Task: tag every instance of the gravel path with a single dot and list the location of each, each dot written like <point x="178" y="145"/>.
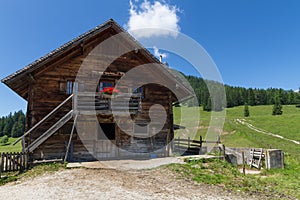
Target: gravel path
<point x="83" y="183"/>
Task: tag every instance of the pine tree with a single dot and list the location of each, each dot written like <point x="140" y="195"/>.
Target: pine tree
<point x="12" y="125"/>
<point x="207" y="105"/>
<point x="251" y="97"/>
<point x="277" y="108"/>
<point x="246" y="110"/>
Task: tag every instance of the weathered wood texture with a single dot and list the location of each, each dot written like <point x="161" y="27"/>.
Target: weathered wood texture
<point x="46" y="90"/>
<point x="9" y="162"/>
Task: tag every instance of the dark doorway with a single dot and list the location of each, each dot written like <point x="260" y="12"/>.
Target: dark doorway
<point x="109" y="131"/>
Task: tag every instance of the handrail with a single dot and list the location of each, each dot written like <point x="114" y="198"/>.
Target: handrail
<point x="46" y="117"/>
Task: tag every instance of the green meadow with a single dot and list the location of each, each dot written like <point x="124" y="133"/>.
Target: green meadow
<point x="9" y="147"/>
<point x="284" y="183"/>
<point x="235" y="134"/>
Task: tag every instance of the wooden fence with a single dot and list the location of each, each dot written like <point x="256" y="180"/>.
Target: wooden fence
<point x="10" y="162"/>
<point x="188" y="146"/>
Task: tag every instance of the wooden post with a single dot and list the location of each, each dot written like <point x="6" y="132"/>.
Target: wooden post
<point x="178" y="142"/>
<point x="75" y="101"/>
<point x="201" y="141"/>
<point x="25" y="161"/>
<point x="13" y="157"/>
<point x="167" y="146"/>
<point x="2" y="162"/>
<point x="1" y="165"/>
<point x="21" y="161"/>
<point x="6" y="162"/>
<point x="224" y="153"/>
<point x="23" y="144"/>
<point x="243" y="160"/>
<point x="189" y="142"/>
<point x="9" y="159"/>
<point x="70" y="139"/>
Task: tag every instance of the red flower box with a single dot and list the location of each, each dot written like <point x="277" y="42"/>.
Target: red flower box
<point x="109" y="90"/>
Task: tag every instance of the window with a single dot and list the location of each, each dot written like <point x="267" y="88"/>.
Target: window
<point x="71" y="86"/>
<point x="105" y="85"/>
<point x="139" y="90"/>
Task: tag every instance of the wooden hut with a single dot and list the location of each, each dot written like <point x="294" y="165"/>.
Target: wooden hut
<point x="57" y="102"/>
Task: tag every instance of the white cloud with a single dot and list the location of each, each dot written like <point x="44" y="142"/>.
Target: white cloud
<point x="153" y="16"/>
<point x="158" y="54"/>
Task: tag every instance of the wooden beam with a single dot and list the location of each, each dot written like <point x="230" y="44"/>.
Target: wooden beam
<point x="70" y="139"/>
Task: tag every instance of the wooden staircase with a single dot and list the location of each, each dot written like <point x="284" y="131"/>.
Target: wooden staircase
<point x="49" y="131"/>
<point x="83" y="103"/>
<point x="37" y="142"/>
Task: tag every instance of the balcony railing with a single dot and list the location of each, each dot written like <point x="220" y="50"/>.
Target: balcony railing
<point x="90" y="103"/>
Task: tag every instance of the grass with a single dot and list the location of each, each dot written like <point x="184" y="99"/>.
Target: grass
<point x="32" y="172"/>
<point x="9" y="147"/>
<point x="191" y="121"/>
<point x="278" y="182"/>
<point x="260" y="116"/>
<point x="221" y="173"/>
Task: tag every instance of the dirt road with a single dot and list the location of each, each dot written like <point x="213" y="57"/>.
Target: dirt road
<point x="82" y="183"/>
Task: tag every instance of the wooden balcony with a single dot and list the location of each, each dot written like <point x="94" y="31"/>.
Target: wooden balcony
<point x="96" y="103"/>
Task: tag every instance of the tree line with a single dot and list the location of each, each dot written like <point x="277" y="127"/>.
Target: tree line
<point x="12" y="125"/>
<point x="238" y="96"/>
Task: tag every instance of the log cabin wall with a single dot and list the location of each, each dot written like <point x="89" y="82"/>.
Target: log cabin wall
<point x="130" y="145"/>
<point x="48" y="88"/>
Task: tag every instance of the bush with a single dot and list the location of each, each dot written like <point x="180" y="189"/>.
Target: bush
<point x="4" y="140"/>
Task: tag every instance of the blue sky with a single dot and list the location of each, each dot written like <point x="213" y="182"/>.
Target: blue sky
<point x="254" y="43"/>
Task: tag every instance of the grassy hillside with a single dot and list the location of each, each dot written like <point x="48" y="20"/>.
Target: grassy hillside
<point x="8" y="147"/>
<point x="238" y="135"/>
<point x="235" y="134"/>
<point x="286" y="125"/>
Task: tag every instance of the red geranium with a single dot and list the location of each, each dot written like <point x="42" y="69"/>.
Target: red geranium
<point x="109" y="90"/>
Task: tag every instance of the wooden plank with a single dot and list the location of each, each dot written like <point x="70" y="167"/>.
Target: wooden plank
<point x="71" y="135"/>
<point x="6" y="163"/>
<point x="186" y="140"/>
<point x="243" y="161"/>
<point x="10" y="161"/>
<point x="1" y="164"/>
<point x="13" y="158"/>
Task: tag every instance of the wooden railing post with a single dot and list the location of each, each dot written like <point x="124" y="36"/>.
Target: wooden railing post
<point x="224" y="153"/>
<point x="2" y="162"/>
<point x="178" y="143"/>
<point x="201" y="141"/>
<point x="75" y="101"/>
<point x="1" y="165"/>
<point x="243" y="160"/>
